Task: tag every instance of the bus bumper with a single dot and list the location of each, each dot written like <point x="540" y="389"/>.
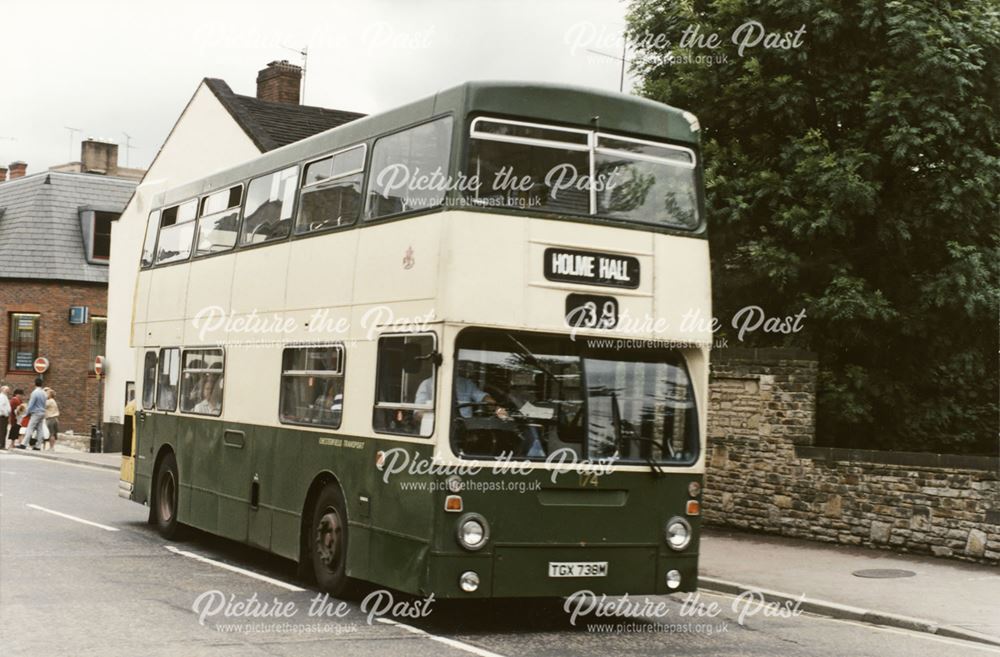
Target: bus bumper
<point x="518" y="572"/>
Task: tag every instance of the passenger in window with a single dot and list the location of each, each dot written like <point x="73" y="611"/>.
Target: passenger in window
<point x="329" y="407"/>
<point x="208" y="404"/>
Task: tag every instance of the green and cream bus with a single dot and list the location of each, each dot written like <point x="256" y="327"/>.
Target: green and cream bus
<point x="439" y="349"/>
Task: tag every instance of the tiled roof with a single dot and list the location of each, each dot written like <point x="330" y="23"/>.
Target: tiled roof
<point x="40" y="233"/>
<point x="272" y="125"/>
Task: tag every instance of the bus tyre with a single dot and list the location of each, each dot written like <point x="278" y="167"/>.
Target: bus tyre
<point x="165" y="493"/>
<point x="328" y="541"/>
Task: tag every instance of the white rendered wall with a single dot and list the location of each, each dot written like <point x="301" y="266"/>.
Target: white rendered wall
<point x="204" y="140"/>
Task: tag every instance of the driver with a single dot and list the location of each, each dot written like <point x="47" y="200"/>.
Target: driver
<point x="466" y="392"/>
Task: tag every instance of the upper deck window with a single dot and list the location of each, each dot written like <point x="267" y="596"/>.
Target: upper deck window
<point x="176" y="232"/>
<point x="268" y="212"/>
<point x="648" y="183"/>
<point x="530" y="166"/>
<point x="409" y="170"/>
<point x="331" y="191"/>
<point x="219" y="220"/>
<point x="149" y="245"/>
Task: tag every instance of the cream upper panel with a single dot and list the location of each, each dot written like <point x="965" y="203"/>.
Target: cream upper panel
<point x="456" y="266"/>
<point x="399" y="260"/>
<point x="259" y="279"/>
<point x="321" y="271"/>
<point x="493" y="272"/>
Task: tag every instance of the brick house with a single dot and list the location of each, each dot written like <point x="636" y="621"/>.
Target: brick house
<point x="55" y="243"/>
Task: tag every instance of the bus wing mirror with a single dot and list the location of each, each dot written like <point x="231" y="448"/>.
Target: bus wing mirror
<point x="413" y="361"/>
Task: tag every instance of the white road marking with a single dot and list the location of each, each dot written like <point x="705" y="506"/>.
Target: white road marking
<point x="467" y="647"/>
<point x="235" y="569"/>
<point x="69" y="517"/>
<point x="291" y="587"/>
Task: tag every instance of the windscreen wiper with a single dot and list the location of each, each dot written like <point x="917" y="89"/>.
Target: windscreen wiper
<point x="616" y="421"/>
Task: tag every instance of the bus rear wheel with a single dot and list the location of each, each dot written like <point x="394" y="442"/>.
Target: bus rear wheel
<point x="165" y="497"/>
<point x="328" y="541"/>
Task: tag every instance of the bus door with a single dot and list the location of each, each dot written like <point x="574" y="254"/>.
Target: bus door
<point x="126" y="474"/>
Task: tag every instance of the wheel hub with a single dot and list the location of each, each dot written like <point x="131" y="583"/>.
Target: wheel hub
<point x="328" y="539"/>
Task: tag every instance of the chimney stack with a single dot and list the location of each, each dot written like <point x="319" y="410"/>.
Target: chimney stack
<point x="280" y="82"/>
<point x="99" y="157"/>
<point x="18" y="169"/>
<point x="3" y="174"/>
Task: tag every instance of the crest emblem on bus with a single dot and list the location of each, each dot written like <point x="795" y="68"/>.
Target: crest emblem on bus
<point x="379" y="459"/>
<point x="408" y="259"/>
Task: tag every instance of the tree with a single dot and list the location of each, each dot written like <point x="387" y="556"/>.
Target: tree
<point x="853" y="173"/>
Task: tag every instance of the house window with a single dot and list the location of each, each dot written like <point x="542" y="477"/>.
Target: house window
<point x="98" y="338"/>
<point x="22" y="347"/>
<point x="101" y="245"/>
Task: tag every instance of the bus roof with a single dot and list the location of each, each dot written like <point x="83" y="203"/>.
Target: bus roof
<point x="547" y="103"/>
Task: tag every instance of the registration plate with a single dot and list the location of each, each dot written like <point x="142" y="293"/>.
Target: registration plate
<point x="578" y="568"/>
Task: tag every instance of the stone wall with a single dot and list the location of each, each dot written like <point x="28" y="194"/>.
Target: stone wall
<point x="764" y="474"/>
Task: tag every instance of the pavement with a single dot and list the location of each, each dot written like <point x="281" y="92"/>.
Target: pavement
<point x="111" y="461"/>
<point x="67" y="543"/>
<point x="944" y="597"/>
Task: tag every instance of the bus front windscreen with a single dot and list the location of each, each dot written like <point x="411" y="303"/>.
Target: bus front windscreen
<point x="531" y="396"/>
<point x="569" y="171"/>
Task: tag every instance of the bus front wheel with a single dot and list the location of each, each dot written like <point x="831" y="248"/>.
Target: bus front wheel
<point x="165" y="497"/>
<point x="328" y="541"/>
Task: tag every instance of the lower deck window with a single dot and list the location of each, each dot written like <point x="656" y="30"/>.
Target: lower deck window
<point x="149" y="381"/>
<point x="201" y="381"/>
<point x="167" y="378"/>
<point x="312" y="385"/>
<point x="405" y="382"/>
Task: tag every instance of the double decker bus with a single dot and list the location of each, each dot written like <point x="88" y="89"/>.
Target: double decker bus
<point x="438" y="349"/>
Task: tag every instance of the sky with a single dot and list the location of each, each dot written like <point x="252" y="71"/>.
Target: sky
<point x="109" y="67"/>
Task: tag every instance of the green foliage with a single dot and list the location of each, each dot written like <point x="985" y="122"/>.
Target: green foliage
<point x="856" y="176"/>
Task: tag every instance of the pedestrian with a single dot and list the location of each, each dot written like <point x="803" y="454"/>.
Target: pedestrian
<point x="36" y="411"/>
<point x="15" y="423"/>
<point x="21" y="416"/>
<point x="5" y="410"/>
<point x="52" y="417"/>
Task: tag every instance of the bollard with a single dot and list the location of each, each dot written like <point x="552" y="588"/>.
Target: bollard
<point x="95" y="439"/>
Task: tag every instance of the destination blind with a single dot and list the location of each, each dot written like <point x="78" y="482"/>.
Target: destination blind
<point x="591" y="268"/>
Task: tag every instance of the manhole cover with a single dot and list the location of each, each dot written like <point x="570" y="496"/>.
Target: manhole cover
<point x="883" y="573"/>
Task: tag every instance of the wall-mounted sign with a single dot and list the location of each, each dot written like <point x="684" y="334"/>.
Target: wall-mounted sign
<point x="41" y="365"/>
<point x="79" y="314"/>
<point x="99" y="365"/>
<point x="591" y="268"/>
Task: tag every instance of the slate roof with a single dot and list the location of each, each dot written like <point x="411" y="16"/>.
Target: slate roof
<point x="272" y="125"/>
<point x="40" y="233"/>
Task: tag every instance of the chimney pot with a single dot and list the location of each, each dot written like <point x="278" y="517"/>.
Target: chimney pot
<point x="279" y="82"/>
<point x="3" y="174"/>
<point x="99" y="157"/>
<point x="18" y="169"/>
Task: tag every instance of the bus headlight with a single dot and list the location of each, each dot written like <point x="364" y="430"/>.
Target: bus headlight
<point x="473" y="531"/>
<point x="673" y="579"/>
<point x="678" y="533"/>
